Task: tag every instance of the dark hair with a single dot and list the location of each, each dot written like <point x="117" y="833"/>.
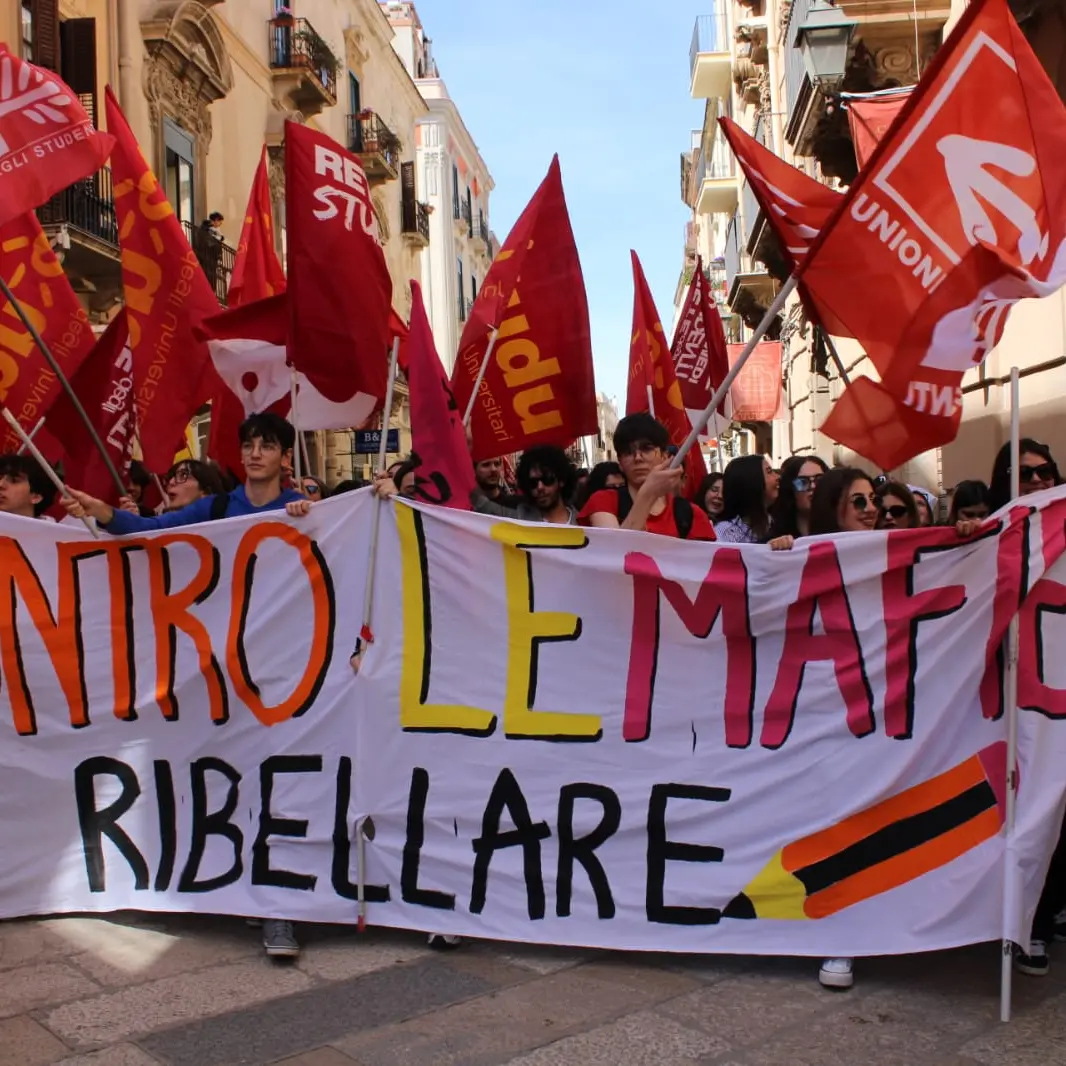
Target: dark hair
<point x="349" y="485"/>
<point x="638" y="427"/>
<point x="825" y="502"/>
<point x="999" y="486"/>
<point x="744" y="494"/>
<point x="216" y="216"/>
<point x="18" y="466"/>
<point x="706" y="485"/>
<point x="783" y="514"/>
<point x="206" y="475"/>
<point x="904" y="495"/>
<point x="269" y="428"/>
<point x="139" y="475"/>
<point x="596" y="482"/>
<point x="550" y="460"/>
<point x="968" y="494"/>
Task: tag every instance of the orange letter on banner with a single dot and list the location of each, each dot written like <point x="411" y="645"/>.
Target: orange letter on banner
<point x="321" y="631"/>
<point x="170" y="612"/>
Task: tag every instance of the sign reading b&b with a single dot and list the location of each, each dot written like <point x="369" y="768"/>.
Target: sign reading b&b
<point x="368" y="441"/>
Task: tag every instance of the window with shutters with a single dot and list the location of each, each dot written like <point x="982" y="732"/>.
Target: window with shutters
<point x="40" y="32"/>
<point x="77" y="61"/>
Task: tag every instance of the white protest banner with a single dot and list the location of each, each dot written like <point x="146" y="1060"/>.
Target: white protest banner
<point x="560" y="735"/>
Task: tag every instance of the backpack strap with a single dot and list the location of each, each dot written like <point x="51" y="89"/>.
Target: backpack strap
<point x="219" y="504"/>
<point x="683" y="517"/>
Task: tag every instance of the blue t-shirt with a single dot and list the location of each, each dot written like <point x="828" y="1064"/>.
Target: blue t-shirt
<point x="237" y="504"/>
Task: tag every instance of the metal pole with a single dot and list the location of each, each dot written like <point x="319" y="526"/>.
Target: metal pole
<point x="701" y="423"/>
<point x="32" y="433"/>
<point x="1011" y="700"/>
<point x="480" y="376"/>
<point x="390" y="388"/>
<point x="54" y="366"/>
<point x="294" y="417"/>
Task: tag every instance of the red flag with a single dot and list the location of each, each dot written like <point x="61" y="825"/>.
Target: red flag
<point x="446" y="475"/>
<point x="247" y="346"/>
<point x="650" y="364"/>
<point x="699" y="351"/>
<point x="104" y="385"/>
<point x="539" y="386"/>
<point x="28" y="386"/>
<point x="957" y="216"/>
<point x="167" y="295"/>
<point x="756" y="391"/>
<point x="257" y="274"/>
<point x="870" y="118"/>
<point x="339" y="283"/>
<point x="47" y="140"/>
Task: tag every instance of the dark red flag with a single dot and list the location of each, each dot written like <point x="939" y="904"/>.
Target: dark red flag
<point x="47" y="141"/>
<point x="539" y="386"/>
<point x="958" y="215"/>
<point x="446" y="475"/>
<point x="869" y="119"/>
<point x="339" y="283"/>
<point x="167" y="296"/>
<point x="650" y="365"/>
<point x="28" y="385"/>
<point x="699" y="352"/>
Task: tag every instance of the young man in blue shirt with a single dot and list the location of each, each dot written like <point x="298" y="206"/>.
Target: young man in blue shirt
<point x="267" y="441"/>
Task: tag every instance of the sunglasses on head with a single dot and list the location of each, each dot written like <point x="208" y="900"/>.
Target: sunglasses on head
<point x="1043" y="472"/>
<point x="860" y="501"/>
<point x="806" y="483"/>
<point x="896" y="511"/>
<point x="546" y="479"/>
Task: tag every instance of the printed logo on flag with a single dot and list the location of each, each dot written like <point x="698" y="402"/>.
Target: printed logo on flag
<point x="38" y="115"/>
<point x="353" y="199"/>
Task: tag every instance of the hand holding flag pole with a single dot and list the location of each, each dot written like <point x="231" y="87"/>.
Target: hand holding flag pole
<point x="32" y="448"/>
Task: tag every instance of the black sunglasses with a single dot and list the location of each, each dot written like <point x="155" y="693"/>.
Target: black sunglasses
<point x="806" y="483"/>
<point x="897" y="510"/>
<point x="860" y="502"/>
<point x="547" y="480"/>
<point x="1043" y="472"/>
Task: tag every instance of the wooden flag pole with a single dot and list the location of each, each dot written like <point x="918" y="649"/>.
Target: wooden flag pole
<point x="294" y="417"/>
<point x="32" y="433"/>
<point x="700" y="425"/>
<point x="651" y="401"/>
<point x="13" y="422"/>
<point x="480" y="377"/>
<point x="62" y="378"/>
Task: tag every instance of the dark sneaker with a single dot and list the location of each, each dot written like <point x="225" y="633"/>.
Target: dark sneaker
<point x="279" y="938"/>
<point x="1035" y="964"/>
<point x="1060" y="927"/>
<point x="440" y="942"/>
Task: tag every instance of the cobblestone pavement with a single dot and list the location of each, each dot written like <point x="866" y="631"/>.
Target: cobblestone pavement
<point x="144" y="990"/>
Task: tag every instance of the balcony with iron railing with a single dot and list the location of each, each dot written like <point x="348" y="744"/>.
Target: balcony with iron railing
<point x="709" y="57"/>
<point x="716" y="179"/>
<point x="479" y="233"/>
<point x="304" y="66"/>
<point x="376" y="145"/>
<point x="215" y="257"/>
<point x="414" y="221"/>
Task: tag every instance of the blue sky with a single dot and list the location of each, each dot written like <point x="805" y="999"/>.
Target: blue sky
<point x="605" y="85"/>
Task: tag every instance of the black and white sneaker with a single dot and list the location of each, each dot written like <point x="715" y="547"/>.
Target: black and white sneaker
<point x="1035" y="963"/>
<point x="442" y="942"/>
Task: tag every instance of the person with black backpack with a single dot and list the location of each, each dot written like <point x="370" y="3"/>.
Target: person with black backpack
<point x="650" y="499"/>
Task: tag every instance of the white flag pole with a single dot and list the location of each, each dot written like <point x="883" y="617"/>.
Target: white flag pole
<point x="1011" y="700"/>
<point x="651" y="401"/>
<point x="294" y="418"/>
<point x="28" y="444"/>
<point x="700" y="424"/>
<point x="32" y="433"/>
<point x="480" y="376"/>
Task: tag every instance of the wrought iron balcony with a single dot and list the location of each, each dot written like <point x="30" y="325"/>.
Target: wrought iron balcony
<point x="303" y="63"/>
<point x="462" y="307"/>
<point x="716" y="179"/>
<point x="415" y="221"/>
<point x="376" y="145"/>
<point x="709" y="59"/>
<point x="479" y="234"/>
<point x="215" y="256"/>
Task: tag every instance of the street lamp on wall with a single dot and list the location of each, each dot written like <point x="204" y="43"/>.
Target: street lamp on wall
<point x="825" y="39"/>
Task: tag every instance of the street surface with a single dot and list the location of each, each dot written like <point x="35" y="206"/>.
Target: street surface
<point x="145" y="990"/>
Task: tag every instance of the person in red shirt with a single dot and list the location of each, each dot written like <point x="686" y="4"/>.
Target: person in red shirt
<point x="650" y="499"/>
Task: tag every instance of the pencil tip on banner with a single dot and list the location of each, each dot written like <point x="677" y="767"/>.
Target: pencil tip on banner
<point x="366" y="635"/>
<point x="740" y="907"/>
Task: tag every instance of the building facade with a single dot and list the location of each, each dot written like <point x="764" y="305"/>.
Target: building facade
<point x="745" y="61"/>
<point x="205" y="86"/>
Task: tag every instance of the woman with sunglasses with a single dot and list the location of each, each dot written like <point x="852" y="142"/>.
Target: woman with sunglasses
<point x="1037" y="471"/>
<point x="791" y="514"/>
<point x="749" y="490"/>
<point x="897" y="507"/>
<point x="313" y="488"/>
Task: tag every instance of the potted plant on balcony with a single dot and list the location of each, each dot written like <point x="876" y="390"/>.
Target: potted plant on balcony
<point x="284" y="17"/>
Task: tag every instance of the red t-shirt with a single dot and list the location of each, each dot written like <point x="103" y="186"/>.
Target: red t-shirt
<point x="606" y="502"/>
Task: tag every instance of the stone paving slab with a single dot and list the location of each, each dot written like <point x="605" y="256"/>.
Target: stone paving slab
<point x="174" y="990"/>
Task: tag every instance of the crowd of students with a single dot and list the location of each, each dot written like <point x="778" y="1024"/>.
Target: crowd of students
<point x="750" y="503"/>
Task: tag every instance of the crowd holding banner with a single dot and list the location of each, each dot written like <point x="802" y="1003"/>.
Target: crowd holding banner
<point x="691" y="827"/>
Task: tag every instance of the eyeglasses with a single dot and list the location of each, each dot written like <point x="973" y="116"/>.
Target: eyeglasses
<point x="249" y="446"/>
<point x="642" y="448"/>
<point x="807" y="483"/>
<point x="896" y="511"/>
<point x="1043" y="472"/>
<point x="179" y="476"/>
<point x="860" y="502"/>
<point x="311" y="488"/>
<point x="546" y="479"/>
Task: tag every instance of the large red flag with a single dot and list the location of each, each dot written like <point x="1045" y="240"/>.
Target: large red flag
<point x="167" y="295"/>
<point x="28" y="385"/>
<point x="47" y="140"/>
<point x="104" y="385"/>
<point x="539" y="386"/>
<point x="438" y="438"/>
<point x="699" y="352"/>
<point x="340" y="286"/>
<point x="958" y="215"/>
<point x="257" y="274"/>
<point x="650" y="364"/>
<point x="869" y="119"/>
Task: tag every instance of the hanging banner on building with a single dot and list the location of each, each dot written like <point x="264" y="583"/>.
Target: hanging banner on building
<point x="757" y="393"/>
<point x="560" y="735"/>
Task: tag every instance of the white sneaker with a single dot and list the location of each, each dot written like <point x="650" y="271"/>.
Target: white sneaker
<point x="441" y="942"/>
<point x="836" y="973"/>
